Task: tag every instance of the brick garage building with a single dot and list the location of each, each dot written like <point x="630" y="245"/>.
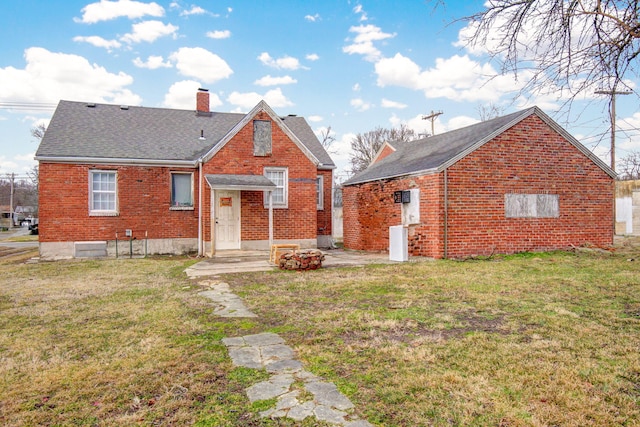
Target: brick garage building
<point x="512" y="184"/>
<point x="176" y="181"/>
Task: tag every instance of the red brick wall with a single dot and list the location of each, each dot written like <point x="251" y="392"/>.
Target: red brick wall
<point x="299" y="221"/>
<point x="530" y="158"/>
<point x="144" y="195"/>
<point x="386" y="150"/>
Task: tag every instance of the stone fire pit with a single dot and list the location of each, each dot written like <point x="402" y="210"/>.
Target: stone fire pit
<point x="308" y="259"/>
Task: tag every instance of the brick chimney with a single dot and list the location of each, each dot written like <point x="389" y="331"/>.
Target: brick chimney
<point x="202" y="101"/>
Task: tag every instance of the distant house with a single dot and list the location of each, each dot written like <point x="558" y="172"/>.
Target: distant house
<point x="515" y="183"/>
<point x="628" y="207"/>
<point x="175" y="181"/>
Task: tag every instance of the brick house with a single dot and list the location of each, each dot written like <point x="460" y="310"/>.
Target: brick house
<point x="177" y="181"/>
<point x="512" y="184"/>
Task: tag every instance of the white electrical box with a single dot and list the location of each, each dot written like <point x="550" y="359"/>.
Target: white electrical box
<point x="398" y="243"/>
<point x="411" y="208"/>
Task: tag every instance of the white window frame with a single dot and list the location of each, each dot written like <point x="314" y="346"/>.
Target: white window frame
<point x="180" y="208"/>
<point x="285" y="188"/>
<point x="103" y="212"/>
<point x="320" y="192"/>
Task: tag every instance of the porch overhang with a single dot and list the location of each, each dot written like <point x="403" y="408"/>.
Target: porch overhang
<point x="239" y="182"/>
<point x="231" y="182"/>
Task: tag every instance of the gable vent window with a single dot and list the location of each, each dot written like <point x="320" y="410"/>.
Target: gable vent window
<point x="261" y="138"/>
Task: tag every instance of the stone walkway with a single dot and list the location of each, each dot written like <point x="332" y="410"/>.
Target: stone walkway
<point x="299" y="393"/>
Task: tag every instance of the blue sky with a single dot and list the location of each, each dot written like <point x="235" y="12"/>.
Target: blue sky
<point x="351" y="65"/>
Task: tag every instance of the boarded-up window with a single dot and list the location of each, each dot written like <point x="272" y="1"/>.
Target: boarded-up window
<point x="531" y="205"/>
<point x="261" y="137"/>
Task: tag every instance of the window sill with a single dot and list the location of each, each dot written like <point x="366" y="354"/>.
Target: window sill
<point x="181" y="208"/>
<point x="103" y="213"/>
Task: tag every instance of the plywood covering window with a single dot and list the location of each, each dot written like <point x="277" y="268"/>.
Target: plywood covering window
<point x="261" y="138"/>
<point x="531" y="205"/>
<point x="103" y="193"/>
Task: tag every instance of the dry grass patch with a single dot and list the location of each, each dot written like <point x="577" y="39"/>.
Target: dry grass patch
<point x="114" y="343"/>
<point x="526" y="340"/>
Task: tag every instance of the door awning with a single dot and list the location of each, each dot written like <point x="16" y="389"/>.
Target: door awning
<point x="240" y="182"/>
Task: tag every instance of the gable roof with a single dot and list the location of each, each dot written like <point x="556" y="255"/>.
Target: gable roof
<point x="436" y="153"/>
<point x="105" y="133"/>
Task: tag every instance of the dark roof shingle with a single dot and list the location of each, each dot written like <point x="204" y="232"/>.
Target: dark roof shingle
<point x="103" y="131"/>
<point x="433" y="153"/>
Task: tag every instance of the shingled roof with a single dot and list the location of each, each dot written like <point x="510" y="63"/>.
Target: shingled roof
<point x="436" y="153"/>
<point x="82" y="132"/>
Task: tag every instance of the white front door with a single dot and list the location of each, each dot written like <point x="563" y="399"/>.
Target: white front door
<point x="227" y="220"/>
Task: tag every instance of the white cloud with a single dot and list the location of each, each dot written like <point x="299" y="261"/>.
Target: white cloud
<point x="313" y="18"/>
<point x="149" y="31"/>
<point x="422" y="127"/>
<point x="392" y="104"/>
<point x="201" y="64"/>
<point x="98" y="41"/>
<point x="246" y="101"/>
<point x="195" y="10"/>
<point x="50" y="76"/>
<point x="219" y="34"/>
<point x="360" y="105"/>
<point x="182" y="95"/>
<point x="274" y="81"/>
<point x="457" y="78"/>
<point x="341" y="153"/>
<point x="285" y="63"/>
<point x="358" y="10"/>
<point x="153" y="62"/>
<point x="362" y="44"/>
<point x="20" y="164"/>
<point x="356" y="87"/>
<point x="105" y="10"/>
<point x="312" y="57"/>
<point x="315" y="118"/>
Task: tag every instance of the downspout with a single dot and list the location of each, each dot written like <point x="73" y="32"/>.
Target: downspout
<point x="200" y="236"/>
<point x="446" y="213"/>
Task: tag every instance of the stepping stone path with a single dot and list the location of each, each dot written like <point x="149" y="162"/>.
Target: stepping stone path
<point x="299" y="393"/>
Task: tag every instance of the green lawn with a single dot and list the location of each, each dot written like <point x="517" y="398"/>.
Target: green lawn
<point x="526" y="340"/>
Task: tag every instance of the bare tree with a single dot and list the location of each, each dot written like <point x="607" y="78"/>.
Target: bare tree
<point x="327" y="139"/>
<point x="629" y="166"/>
<point x="488" y="112"/>
<point x="560" y="45"/>
<point x="365" y="146"/>
<point x="38" y="131"/>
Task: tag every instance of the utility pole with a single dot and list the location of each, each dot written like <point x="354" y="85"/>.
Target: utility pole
<point x="432" y="117"/>
<point x="612" y="94"/>
<point x="12" y="189"/>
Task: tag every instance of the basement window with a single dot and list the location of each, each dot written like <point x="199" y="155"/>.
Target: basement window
<point x="103" y="193"/>
<point x="531" y="205"/>
<point x="181" y="191"/>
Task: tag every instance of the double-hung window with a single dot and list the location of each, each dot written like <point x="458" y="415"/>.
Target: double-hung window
<point x="181" y="190"/>
<point x="103" y="193"/>
<point x="280" y="194"/>
<point x="320" y="192"/>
